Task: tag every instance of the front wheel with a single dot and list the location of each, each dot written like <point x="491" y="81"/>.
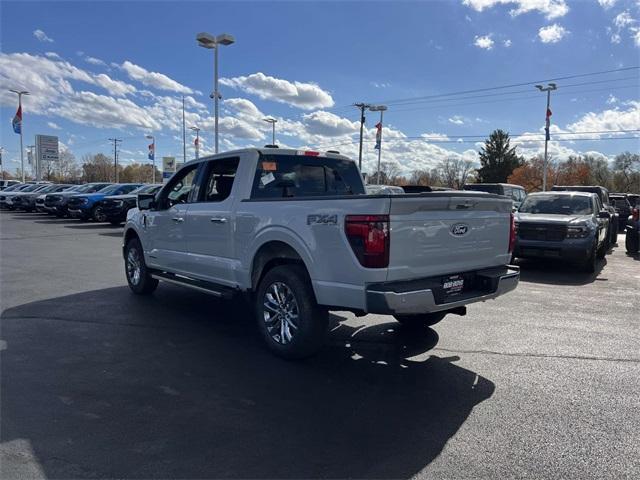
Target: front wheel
<point x="98" y="215"/>
<point x="291" y="322"/>
<point x="591" y="263"/>
<point x="420" y="320"/>
<point x="138" y="277"/>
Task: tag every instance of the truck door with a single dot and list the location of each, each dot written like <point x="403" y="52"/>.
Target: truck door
<point x="210" y="224"/>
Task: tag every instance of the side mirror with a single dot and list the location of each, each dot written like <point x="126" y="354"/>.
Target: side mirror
<point x="146" y="201"/>
<point x="604" y="214"/>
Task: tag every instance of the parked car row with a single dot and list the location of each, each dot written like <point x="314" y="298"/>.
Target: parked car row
<point x="99" y="201"/>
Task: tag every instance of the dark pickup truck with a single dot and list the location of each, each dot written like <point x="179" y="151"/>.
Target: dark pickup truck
<point x="114" y="208"/>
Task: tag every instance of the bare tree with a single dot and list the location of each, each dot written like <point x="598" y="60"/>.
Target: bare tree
<point x="455" y="171"/>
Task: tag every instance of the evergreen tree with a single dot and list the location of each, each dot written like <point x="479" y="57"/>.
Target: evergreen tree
<point x="497" y="158"/>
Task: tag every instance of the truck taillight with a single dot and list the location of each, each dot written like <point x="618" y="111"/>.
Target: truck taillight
<point x="512" y="234"/>
<point x="635" y="214"/>
<point x="369" y="238"/>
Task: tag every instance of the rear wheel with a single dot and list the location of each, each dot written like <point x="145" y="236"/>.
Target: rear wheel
<point x="420" y="320"/>
<point x="632" y="241"/>
<point x="291" y="322"/>
<point x="138" y="276"/>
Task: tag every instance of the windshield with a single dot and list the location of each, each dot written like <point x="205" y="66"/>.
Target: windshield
<point x="48" y="188"/>
<point x="109" y="189"/>
<point x="13" y="188"/>
<point x="147" y="189"/>
<point x="496" y="189"/>
<point x="557" y="205"/>
<point x="31" y="188"/>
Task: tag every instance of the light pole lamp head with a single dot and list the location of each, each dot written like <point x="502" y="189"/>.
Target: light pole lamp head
<point x="225" y="39"/>
<point x="270" y="120"/>
<point x="195" y="129"/>
<point x="150" y="137"/>
<point x="553" y="86"/>
<point x="539" y="87"/>
<point x="206" y="40"/>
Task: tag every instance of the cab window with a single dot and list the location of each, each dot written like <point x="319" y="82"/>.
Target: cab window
<point x="179" y="188"/>
<point x="218" y="180"/>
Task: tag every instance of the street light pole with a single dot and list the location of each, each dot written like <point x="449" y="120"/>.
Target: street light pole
<point x="548" y="89"/>
<point x="362" y="107"/>
<point x="273" y="122"/>
<point x="20" y="93"/>
<point x="381" y="109"/>
<point x="153" y="157"/>
<point x="197" y="130"/>
<point x="207" y="40"/>
<point x="115" y="157"/>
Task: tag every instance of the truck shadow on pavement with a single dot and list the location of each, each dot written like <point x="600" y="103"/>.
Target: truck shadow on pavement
<point x="555" y="272"/>
<point x="179" y="385"/>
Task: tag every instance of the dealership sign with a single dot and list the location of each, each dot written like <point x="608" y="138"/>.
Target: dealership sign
<point x="46" y="149"/>
<point x="168" y="168"/>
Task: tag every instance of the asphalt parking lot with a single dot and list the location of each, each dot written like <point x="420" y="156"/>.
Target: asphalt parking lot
<point x="96" y="382"/>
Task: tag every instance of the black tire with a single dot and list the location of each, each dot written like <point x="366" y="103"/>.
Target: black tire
<point x="97" y="215"/>
<point x="602" y="251"/>
<point x="142" y="283"/>
<point x="631" y="241"/>
<point x="287" y="289"/>
<point x="420" y="320"/>
<point x="591" y="263"/>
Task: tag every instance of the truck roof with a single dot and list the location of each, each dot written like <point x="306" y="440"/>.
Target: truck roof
<point x="273" y="151"/>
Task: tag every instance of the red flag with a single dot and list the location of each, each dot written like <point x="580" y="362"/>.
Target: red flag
<point x="548" y="113"/>
<point x="195" y="142"/>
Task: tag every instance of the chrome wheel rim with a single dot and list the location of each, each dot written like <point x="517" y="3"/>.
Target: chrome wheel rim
<point x="280" y="313"/>
<point x="99" y="216"/>
<point x="134" y="266"/>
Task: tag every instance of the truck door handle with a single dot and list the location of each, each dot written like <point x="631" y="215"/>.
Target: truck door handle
<point x="178" y="219"/>
<point x="218" y="220"/>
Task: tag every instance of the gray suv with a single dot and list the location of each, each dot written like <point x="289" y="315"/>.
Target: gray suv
<point x="562" y="225"/>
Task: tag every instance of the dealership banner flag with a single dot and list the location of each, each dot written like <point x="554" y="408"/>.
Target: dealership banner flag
<point x="152" y="151"/>
<point x="548" y="124"/>
<point x="378" y="135"/>
<point x="17" y="121"/>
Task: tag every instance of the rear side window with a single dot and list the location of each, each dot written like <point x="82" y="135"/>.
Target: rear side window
<point x="282" y="176"/>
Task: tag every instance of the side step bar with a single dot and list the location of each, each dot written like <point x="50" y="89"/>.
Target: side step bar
<point x="214" y="289"/>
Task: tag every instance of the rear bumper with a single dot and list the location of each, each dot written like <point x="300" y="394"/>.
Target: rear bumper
<point x="400" y="298"/>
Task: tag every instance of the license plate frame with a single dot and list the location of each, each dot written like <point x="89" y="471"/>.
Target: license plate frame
<point x="452" y="285"/>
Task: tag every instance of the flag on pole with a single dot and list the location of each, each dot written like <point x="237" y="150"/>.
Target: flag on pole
<point x="152" y="151"/>
<point x="195" y="142"/>
<point x="378" y="135"/>
<point x="547" y="124"/>
<point x="17" y="121"/>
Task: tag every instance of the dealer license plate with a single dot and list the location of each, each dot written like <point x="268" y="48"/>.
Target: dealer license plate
<point x="453" y="284"/>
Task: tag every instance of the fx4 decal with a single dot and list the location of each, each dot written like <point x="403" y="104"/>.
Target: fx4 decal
<point x="322" y="220"/>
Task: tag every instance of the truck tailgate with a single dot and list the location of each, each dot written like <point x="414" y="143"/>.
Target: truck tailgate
<point x="447" y="233"/>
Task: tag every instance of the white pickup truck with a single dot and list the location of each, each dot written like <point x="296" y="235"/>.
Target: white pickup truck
<point x="296" y="232"/>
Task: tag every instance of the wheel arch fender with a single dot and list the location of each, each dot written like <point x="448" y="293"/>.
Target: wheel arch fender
<point x="276" y="246"/>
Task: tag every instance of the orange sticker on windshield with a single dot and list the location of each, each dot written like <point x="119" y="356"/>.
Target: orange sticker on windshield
<point x="269" y="166"/>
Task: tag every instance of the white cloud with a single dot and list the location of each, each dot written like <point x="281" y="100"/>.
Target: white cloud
<point x="606" y="4"/>
<point x="302" y="95"/>
<point x="54" y="126"/>
<point x="550" y="8"/>
<point x="456" y="120"/>
<point x="380" y="84"/>
<point x="40" y="35"/>
<point x="507" y="43"/>
<point x="552" y="33"/>
<point x="52" y="55"/>
<point x="616" y="38"/>
<point x="329" y="124"/>
<point x="485" y="42"/>
<point x="636" y="36"/>
<point x="612" y="99"/>
<point x="614" y="119"/>
<point x="153" y="79"/>
<point x="95" y="61"/>
<point x="623" y="19"/>
<point x="114" y="87"/>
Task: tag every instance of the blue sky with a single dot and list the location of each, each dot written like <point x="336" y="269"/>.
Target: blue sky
<point x="104" y="69"/>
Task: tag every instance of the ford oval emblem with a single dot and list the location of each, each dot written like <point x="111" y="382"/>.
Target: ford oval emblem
<point x="459" y="229"/>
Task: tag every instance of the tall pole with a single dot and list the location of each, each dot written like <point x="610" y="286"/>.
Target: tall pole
<point x="379" y="149"/>
<point x="1" y="165"/>
<point x="197" y="143"/>
<point x="184" y="136"/>
<point x="115" y="157"/>
<point x="153" y="157"/>
<point x="216" y="95"/>
<point x="273" y="133"/>
<point x="362" y="107"/>
<point x="548" y="89"/>
<point x="546" y="144"/>
<point x="20" y="93"/>
<point x="36" y="165"/>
